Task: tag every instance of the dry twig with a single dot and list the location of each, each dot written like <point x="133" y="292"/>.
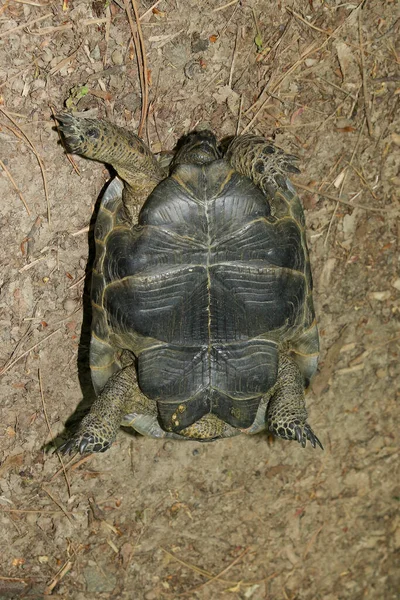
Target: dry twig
<point x="4" y="33"/>
<point x="57" y="578"/>
<point x="52" y="437"/>
<point x="367" y="102"/>
<point x="225" y="6"/>
<point x="25" y="137"/>
<point x="389" y="211"/>
<point x="138" y="41"/>
<point x="16" y="188"/>
<point x="10" y="363"/>
<point x="216" y="577"/>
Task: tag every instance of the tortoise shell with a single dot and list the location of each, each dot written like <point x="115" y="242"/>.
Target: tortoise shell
<point x="204" y="291"/>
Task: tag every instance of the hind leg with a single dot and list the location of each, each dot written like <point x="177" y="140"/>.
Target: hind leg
<point x="98" y="429"/>
<point x="286" y="411"/>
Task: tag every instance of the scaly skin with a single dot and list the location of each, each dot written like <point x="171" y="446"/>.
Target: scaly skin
<point x="126" y="152"/>
<point x="121" y="396"/>
<point x="286" y="411"/>
<point x="251" y="156"/>
<point x="99" y="427"/>
<point x="266" y="165"/>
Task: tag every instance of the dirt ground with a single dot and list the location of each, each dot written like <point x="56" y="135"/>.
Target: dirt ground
<point x="243" y="518"/>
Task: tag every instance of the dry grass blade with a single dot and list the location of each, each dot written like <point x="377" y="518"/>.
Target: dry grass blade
<point x="64" y="62"/>
<point x="74" y="466"/>
<point x="11" y="362"/>
<point x="213" y="577"/>
<point x="389" y="211"/>
<point x="16" y="188"/>
<point x="216" y="577"/>
<point x="4" y="33"/>
<point x="57" y="503"/>
<point x="32" y="511"/>
<point x="150" y="10"/>
<point x="35" y="152"/>
<point x="31" y="2"/>
<point x="225" y="6"/>
<point x="138" y="41"/>
<point x="271" y="88"/>
<point x="312" y="541"/>
<point x="367" y="102"/>
<point x="15" y="76"/>
<point x="254" y="119"/>
<point x="57" y="578"/>
<point x="52" y="437"/>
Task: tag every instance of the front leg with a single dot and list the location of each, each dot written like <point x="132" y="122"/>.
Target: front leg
<point x="126" y="152"/>
<point x="265" y="164"/>
<point x="286" y="411"/>
<point x="98" y="429"/>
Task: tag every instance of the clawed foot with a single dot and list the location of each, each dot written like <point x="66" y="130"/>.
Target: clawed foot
<point x="89" y="438"/>
<point x="296" y="431"/>
<point x="84" y="443"/>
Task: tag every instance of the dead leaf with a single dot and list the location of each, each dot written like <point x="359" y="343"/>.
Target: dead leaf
<point x="11" y="462"/>
<point x="348" y="65"/>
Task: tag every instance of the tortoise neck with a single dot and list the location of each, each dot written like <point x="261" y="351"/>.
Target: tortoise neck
<point x="136" y="193"/>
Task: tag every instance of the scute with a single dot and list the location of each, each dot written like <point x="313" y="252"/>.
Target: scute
<point x="213" y="281"/>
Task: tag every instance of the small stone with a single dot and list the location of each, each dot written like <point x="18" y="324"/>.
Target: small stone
<point x="99" y="581"/>
<point x="380" y="296"/>
<point x="310" y="62"/>
<point x="381" y="373"/>
<point x="69" y="305"/>
<point x="396" y="284"/>
<point x="342" y="123"/>
<point x="117" y="57"/>
<point x="198" y="44"/>
<point x="95" y="53"/>
<point x="396" y="138"/>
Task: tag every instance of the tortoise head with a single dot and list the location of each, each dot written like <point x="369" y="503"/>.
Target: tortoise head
<point x="198" y="147"/>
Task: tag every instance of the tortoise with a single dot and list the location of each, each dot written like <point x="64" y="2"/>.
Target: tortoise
<point x="203" y="324"/>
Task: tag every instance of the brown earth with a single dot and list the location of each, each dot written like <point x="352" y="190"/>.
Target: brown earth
<point x="245" y="518"/>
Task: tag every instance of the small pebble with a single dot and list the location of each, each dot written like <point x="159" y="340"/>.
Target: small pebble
<point x="95" y="53"/>
<point x="396" y="284"/>
<point x="69" y="305"/>
<point x="380" y="296"/>
<point x="310" y="62"/>
<point x="117" y="57"/>
<point x="198" y="44"/>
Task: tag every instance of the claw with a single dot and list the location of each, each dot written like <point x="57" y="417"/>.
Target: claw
<point x="297" y="432"/>
<point x="67" y="447"/>
<point x="84" y="442"/>
<point x="318" y="442"/>
<point x="310" y="435"/>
